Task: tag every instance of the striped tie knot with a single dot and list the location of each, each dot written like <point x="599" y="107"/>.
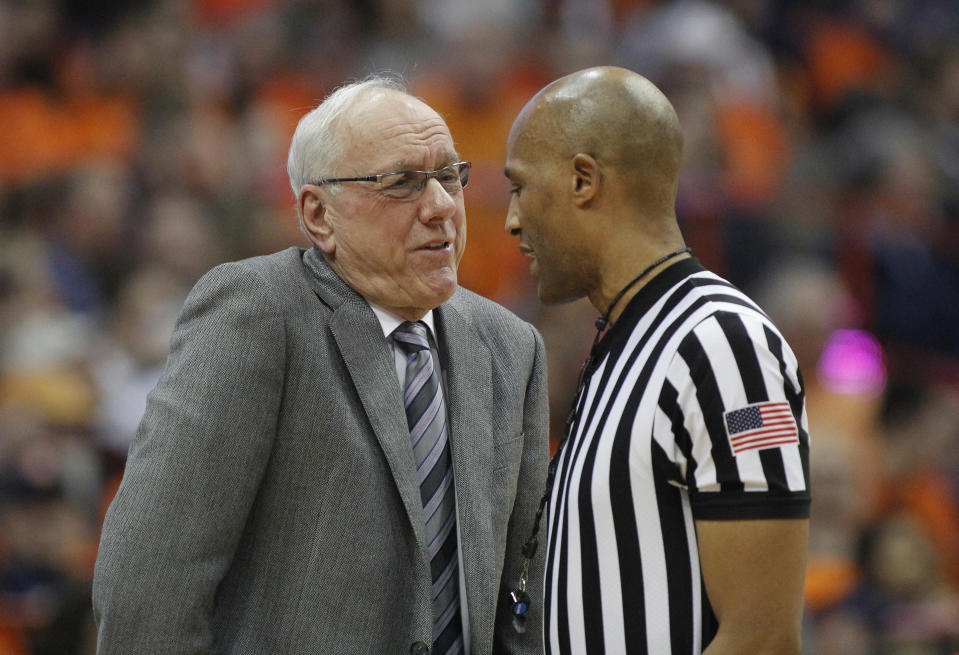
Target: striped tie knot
<point x="411" y="337"/>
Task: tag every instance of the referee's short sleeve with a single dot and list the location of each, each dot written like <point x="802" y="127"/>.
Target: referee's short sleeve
<point x="733" y="407"/>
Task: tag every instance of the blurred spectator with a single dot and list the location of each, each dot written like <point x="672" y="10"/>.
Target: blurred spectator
<point x="920" y="432"/>
<point x="86" y="235"/>
<point x="911" y="607"/>
<point x="129" y="357"/>
<point x="50" y="485"/>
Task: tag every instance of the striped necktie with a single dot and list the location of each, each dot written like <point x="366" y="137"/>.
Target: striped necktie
<point x="426" y="415"/>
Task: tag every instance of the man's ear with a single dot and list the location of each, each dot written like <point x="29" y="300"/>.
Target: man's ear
<point x="586" y="179"/>
<point x="313" y="209"/>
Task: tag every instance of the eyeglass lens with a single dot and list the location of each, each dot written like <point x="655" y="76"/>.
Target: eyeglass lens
<point x="406" y="184"/>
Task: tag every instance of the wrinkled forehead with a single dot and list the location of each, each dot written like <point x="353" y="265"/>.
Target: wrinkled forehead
<point x="391" y="130"/>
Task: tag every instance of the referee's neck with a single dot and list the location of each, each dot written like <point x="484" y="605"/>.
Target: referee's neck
<point x="626" y="283"/>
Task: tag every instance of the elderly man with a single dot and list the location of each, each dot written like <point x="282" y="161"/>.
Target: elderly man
<point x="345" y="449"/>
<point x="679" y="501"/>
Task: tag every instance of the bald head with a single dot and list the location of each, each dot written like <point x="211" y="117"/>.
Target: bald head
<point x="593" y="162"/>
<point x="618" y="117"/>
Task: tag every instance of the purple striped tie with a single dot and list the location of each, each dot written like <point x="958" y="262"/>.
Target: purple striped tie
<point x="426" y="415"/>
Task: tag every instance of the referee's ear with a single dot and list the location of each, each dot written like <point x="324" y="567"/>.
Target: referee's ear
<point x="586" y="179"/>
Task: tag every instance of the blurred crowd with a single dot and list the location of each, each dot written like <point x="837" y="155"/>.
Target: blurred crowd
<point x="144" y="141"/>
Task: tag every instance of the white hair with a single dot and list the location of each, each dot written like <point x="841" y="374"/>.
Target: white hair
<point x="316" y="148"/>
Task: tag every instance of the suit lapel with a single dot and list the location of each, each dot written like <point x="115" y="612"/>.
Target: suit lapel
<point x="468" y="381"/>
<point x="369" y="360"/>
<point x="466" y="361"/>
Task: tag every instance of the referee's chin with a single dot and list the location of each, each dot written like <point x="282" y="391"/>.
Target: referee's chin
<point x="551" y="294"/>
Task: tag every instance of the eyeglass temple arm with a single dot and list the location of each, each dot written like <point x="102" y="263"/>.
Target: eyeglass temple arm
<point x="380" y="176"/>
<point x="330" y="180"/>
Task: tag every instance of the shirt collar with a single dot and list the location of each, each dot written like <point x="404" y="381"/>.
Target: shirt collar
<point x="390" y="321"/>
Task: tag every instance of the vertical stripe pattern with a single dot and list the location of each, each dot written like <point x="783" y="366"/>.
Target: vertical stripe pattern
<point x="426" y="416"/>
<point x="648" y="453"/>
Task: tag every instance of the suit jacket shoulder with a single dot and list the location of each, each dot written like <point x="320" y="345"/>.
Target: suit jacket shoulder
<point x="500" y="328"/>
<point x="282" y="270"/>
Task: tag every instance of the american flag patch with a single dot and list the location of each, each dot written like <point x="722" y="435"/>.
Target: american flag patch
<point x="760" y="426"/>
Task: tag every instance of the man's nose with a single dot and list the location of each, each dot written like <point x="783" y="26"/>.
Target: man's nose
<point x="512" y="222"/>
<point x="438" y="203"/>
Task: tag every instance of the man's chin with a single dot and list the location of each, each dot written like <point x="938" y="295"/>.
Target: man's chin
<point x="548" y="299"/>
<point x="552" y="296"/>
<point x="439" y="288"/>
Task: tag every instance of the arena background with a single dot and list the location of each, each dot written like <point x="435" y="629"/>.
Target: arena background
<point x="143" y="142"/>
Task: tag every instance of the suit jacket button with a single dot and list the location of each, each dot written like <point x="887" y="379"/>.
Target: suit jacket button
<point x="419" y="648"/>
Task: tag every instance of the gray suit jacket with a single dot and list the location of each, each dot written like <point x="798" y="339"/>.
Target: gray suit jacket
<point x="269" y="503"/>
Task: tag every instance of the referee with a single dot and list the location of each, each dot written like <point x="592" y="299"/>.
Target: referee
<point x="678" y="501"/>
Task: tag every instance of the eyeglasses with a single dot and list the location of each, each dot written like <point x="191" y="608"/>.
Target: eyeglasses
<point x="409" y="185"/>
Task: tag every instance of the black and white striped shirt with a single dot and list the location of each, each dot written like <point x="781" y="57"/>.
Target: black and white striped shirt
<point x="693" y="408"/>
